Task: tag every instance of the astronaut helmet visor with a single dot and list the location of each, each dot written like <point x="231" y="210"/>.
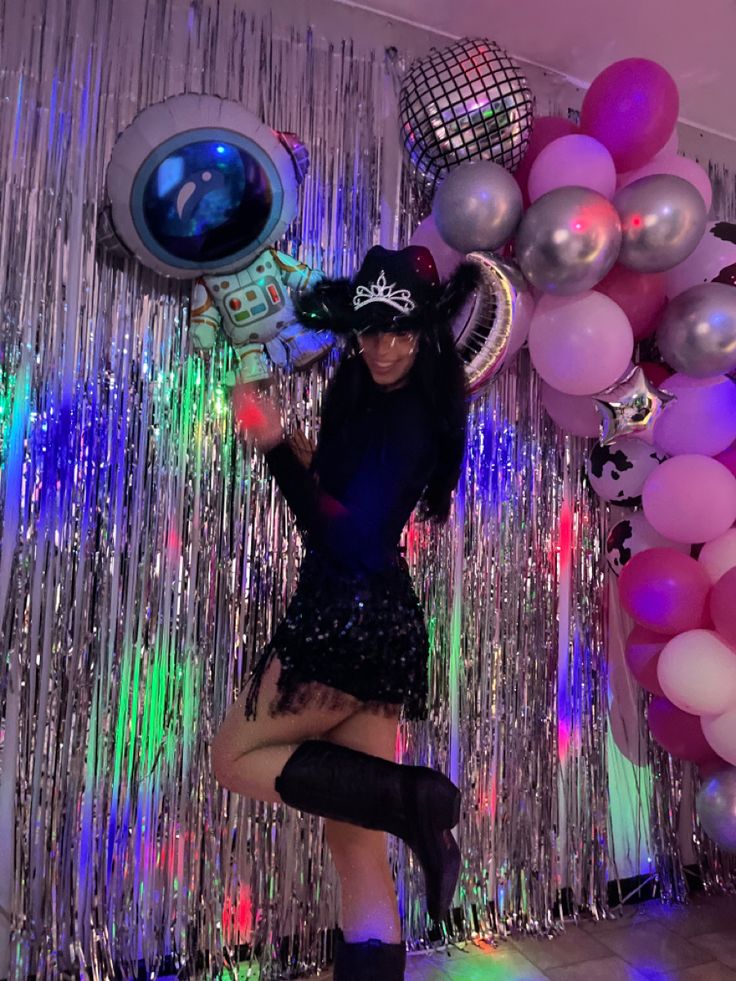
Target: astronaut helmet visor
<point x="207" y="200"/>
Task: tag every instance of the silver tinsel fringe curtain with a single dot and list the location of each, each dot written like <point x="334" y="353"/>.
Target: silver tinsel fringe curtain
<point x="145" y="559"/>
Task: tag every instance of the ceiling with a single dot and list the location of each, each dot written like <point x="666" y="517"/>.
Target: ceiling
<point x="695" y="40"/>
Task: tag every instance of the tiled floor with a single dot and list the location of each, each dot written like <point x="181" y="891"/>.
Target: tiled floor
<point x="649" y="941"/>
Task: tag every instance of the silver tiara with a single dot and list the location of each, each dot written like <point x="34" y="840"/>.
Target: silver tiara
<point x="381" y="292"/>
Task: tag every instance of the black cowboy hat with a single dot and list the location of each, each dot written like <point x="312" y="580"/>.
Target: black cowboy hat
<point x="394" y="290"/>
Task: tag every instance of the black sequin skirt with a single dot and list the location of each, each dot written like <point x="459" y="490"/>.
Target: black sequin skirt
<point x="348" y="638"/>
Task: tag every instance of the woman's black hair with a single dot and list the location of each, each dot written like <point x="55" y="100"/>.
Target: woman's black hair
<point x="438" y="370"/>
<point x="439" y="376"/>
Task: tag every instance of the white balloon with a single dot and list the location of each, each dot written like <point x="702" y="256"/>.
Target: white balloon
<point x="719" y="555"/>
<point x="720" y="731"/>
<point x="697" y="672"/>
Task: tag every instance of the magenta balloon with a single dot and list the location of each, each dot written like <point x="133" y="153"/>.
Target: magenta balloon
<point x="573" y="161"/>
<point x="545" y="129"/>
<point x="580" y="344"/>
<point x="690" y="498"/>
<point x="678" y="732"/>
<point x="671" y="163"/>
<point x="664" y="590"/>
<point x="722" y="606"/>
<point x="631" y="107"/>
<point x="641" y="296"/>
<point x="446" y="259"/>
<point x="701" y="419"/>
<point x="643" y="648"/>
<point x="575" y="414"/>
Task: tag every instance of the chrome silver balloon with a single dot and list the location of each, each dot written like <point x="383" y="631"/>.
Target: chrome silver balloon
<point x="568" y="240"/>
<point x="663" y="219"/>
<point x="697" y="334"/>
<point x="468" y="101"/>
<point x="477" y="207"/>
<point x="483" y="327"/>
<point x="716" y="807"/>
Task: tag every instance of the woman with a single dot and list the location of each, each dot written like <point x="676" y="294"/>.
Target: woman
<point x="315" y="727"/>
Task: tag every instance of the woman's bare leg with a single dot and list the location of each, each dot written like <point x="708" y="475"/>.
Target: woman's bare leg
<point x="369" y="907"/>
<point x="248" y="754"/>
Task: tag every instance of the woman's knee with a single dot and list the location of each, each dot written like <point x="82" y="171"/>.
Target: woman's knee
<point x="222" y="757"/>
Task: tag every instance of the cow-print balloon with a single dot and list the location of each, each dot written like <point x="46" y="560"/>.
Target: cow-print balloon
<point x="617" y="472"/>
<point x="634" y="534"/>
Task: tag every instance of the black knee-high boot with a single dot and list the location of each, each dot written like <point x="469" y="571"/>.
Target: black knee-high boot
<point x="415" y="803"/>
<point x="371" y="960"/>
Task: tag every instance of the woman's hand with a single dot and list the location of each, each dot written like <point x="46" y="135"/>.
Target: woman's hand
<point x="257" y="416"/>
<point x="303" y="447"/>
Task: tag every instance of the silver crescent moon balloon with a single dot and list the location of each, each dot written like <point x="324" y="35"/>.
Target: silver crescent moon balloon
<point x="477" y="206"/>
<point x="697" y="334"/>
<point x="568" y="240"/>
<point x="716" y="806"/>
<point x="663" y="218"/>
<point x="483" y="327"/>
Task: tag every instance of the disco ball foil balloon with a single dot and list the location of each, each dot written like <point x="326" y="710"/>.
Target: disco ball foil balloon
<point x="469" y="101"/>
<point x="483" y="328"/>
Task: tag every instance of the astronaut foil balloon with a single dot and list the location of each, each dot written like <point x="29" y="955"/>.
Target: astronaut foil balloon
<point x="199" y="188"/>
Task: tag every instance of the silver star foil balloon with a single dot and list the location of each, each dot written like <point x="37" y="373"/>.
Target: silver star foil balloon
<point x="469" y="101"/>
<point x="631" y="407"/>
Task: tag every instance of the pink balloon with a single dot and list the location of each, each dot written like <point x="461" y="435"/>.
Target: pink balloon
<point x="679" y="733"/>
<point x="580" y="344"/>
<point x="632" y="108"/>
<point x="671" y="163"/>
<point x="711" y="259"/>
<point x="640" y="295"/>
<point x="728" y="458"/>
<point x="446" y="259"/>
<point x="690" y="498"/>
<point x="671" y="146"/>
<point x="719" y="555"/>
<point x="720" y="731"/>
<point x="545" y="130"/>
<point x="575" y="414"/>
<point x="722" y="606"/>
<point x="573" y="161"/>
<point x="664" y="590"/>
<point x="643" y="648"/>
<point x="701" y="419"/>
<point x="697" y="671"/>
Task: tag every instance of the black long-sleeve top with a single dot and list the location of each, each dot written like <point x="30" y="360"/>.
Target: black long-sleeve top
<point x="365" y="481"/>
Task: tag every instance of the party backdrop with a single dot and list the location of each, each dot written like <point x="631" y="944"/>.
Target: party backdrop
<point x="145" y="558"/>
